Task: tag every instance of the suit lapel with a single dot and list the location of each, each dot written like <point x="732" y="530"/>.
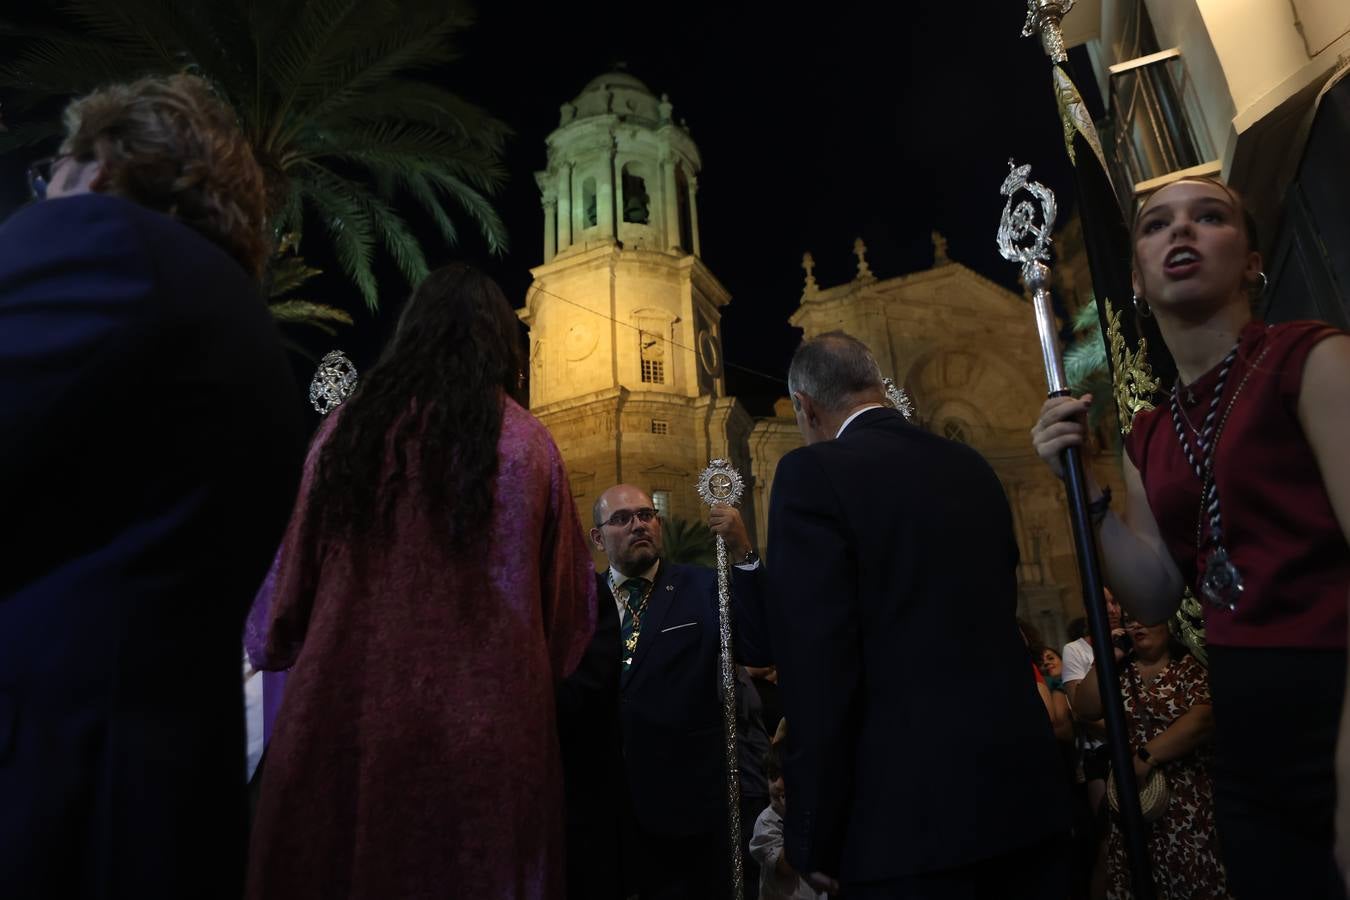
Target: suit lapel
<point x="658" y="606"/>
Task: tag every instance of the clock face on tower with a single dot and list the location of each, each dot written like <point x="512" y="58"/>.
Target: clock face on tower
<point x="709" y="353"/>
<point x="580" y="342"/>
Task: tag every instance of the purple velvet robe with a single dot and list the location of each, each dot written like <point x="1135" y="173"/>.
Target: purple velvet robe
<point x="416" y="752"/>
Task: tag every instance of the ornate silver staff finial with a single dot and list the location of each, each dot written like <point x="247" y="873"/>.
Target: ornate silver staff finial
<point x="1043" y="17"/>
<point x="333" y="383"/>
<point x="897" y="397"/>
<point x="1024" y="231"/>
<point x="721" y="483"/>
<point x="1024" y="237"/>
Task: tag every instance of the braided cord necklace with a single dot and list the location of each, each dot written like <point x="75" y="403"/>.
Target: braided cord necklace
<point x="1222" y="583"/>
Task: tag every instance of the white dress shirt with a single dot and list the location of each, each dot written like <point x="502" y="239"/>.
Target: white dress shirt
<point x="857" y="412"/>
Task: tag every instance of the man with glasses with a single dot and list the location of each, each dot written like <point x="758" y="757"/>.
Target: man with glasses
<point x="640" y="722"/>
<point x="151" y="439"/>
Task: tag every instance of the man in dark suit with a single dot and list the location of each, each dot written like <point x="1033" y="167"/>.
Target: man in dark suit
<point x="640" y="722"/>
<point x="894" y="558"/>
<point x="151" y="447"/>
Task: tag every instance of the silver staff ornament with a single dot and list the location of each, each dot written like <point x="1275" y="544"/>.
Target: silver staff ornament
<point x="721" y="483"/>
<point x="898" y="399"/>
<point x="1024" y="237"/>
<point x="333" y="383"/>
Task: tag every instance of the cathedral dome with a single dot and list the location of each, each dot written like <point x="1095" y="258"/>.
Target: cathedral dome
<point x="619" y="94"/>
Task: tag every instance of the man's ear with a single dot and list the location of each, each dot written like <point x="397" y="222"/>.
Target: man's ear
<point x="595" y="539"/>
<point x="808" y="407"/>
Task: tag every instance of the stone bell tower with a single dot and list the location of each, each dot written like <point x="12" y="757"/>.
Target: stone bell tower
<point x="624" y="317"/>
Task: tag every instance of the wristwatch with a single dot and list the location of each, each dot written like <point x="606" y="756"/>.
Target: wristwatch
<point x="749" y="559"/>
<point x="1145" y="756"/>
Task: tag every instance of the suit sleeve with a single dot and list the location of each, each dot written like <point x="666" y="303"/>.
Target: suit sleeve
<point x="577" y="692"/>
<point x="814" y="621"/>
<point x="750" y="630"/>
<point x="567" y="576"/>
<point x="77" y="310"/>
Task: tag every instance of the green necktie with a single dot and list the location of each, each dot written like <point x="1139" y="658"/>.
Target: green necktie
<point x="635" y="598"/>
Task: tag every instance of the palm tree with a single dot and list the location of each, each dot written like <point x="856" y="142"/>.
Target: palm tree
<point x="326" y="91"/>
<point x="688" y="542"/>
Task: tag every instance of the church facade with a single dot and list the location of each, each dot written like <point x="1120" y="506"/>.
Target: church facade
<point x="626" y="350"/>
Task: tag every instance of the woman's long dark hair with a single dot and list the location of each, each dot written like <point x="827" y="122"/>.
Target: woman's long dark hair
<point x="440" y="382"/>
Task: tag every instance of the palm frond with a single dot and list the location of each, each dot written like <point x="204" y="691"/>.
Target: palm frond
<point x="428" y="198"/>
<point x="400" y="146"/>
<point x="132" y="24"/>
<point x="67" y="66"/>
<point x="476" y="205"/>
<point x="1084" y="360"/>
<point x="286" y="273"/>
<point x="289" y="64"/>
<point x="397" y="239"/>
<point x="1086" y="317"/>
<point x="306" y="312"/>
<point x="417" y="102"/>
<point x="344" y="217"/>
<point x="400" y="51"/>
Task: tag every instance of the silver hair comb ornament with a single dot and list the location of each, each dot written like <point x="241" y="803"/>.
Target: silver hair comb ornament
<point x="333" y="383"/>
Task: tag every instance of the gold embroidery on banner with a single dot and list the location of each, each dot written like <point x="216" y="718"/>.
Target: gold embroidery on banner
<point x="1189" y="626"/>
<point x="1132" y="376"/>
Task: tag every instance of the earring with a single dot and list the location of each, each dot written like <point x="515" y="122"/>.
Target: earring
<point x="1141" y="307"/>
<point x="1265" y="283"/>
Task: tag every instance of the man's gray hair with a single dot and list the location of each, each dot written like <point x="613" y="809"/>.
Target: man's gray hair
<point x="831" y="369"/>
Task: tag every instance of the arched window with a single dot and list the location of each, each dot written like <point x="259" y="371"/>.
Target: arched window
<point x="682" y="204"/>
<point x="589" y="214"/>
<point x="636" y="202"/>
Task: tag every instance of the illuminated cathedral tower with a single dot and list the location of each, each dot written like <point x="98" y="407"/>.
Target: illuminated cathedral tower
<point x="624" y="317"/>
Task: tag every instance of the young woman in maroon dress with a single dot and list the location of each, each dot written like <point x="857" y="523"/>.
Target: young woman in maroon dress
<point x="1240" y="475"/>
<point x="434" y="586"/>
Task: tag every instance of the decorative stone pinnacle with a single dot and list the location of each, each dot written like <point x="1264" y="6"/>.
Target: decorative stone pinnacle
<point x="860" y="251"/>
<point x="940" y="257"/>
<point x="809" y="264"/>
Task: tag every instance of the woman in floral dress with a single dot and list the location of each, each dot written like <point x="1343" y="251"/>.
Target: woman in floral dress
<point x="1169" y="720"/>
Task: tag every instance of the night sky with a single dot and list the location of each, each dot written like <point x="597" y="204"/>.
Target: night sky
<point x="815" y="126"/>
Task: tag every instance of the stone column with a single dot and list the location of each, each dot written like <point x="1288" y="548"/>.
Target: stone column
<point x="604" y="198"/>
<point x="693" y="213"/>
<point x="550" y="228"/>
<point x="671" y="203"/>
<point x="565" y="207"/>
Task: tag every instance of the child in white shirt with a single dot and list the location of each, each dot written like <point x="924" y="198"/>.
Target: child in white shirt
<point x="777" y="880"/>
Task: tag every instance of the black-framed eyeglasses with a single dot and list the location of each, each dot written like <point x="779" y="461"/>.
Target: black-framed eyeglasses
<point x="622" y="517"/>
<point x="40" y="175"/>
